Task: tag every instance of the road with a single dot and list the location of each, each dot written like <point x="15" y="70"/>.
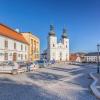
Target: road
<point x="57" y="82"/>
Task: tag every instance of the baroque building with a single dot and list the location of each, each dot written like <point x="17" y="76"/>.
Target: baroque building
<point x="58" y="51"/>
<point x="34" y="46"/>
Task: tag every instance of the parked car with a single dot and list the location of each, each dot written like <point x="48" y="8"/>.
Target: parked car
<point x="13" y="67"/>
<point x="42" y="63"/>
<point x="9" y="67"/>
<point x="22" y="67"/>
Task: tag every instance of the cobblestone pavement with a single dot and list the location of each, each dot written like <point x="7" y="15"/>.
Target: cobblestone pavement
<point x="58" y="82"/>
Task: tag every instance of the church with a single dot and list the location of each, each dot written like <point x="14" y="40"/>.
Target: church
<point x="58" y="51"/>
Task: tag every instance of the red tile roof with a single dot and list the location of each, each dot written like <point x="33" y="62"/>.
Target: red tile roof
<point x="10" y="33"/>
<point x="72" y="57"/>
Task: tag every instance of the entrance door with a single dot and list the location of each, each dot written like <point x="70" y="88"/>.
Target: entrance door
<point x="14" y="56"/>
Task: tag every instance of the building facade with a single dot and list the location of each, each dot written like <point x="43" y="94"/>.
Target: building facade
<point x="13" y="46"/>
<point x="77" y="57"/>
<point x="34" y="46"/>
<point x="91" y="57"/>
<point x="58" y="51"/>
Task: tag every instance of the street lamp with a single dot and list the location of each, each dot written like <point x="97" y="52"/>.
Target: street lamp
<point x="98" y="45"/>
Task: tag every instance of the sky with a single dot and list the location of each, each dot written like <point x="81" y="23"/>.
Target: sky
<point x="80" y="17"/>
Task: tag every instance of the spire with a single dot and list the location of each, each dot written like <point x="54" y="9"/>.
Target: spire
<point x="64" y="35"/>
<point x="51" y="33"/>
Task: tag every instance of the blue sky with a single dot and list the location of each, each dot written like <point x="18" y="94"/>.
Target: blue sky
<point x="80" y="17"/>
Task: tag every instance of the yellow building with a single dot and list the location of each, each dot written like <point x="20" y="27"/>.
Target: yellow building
<point x="34" y="46"/>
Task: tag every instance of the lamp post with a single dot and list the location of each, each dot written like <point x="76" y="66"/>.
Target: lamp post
<point x="98" y="45"/>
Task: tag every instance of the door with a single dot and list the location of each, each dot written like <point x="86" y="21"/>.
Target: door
<point x="14" y="56"/>
<point x="60" y="56"/>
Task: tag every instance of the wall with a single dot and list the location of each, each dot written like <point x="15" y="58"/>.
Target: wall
<point x="10" y="50"/>
<point x="34" y="46"/>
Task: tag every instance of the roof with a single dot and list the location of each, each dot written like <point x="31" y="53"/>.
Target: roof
<point x="29" y="33"/>
<point x="10" y="33"/>
<point x="73" y="57"/>
<point x="92" y="54"/>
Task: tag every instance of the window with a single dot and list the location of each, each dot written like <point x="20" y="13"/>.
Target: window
<point x="14" y="45"/>
<point x="32" y="41"/>
<point x="34" y="46"/>
<point x="6" y="56"/>
<point x="21" y="56"/>
<point x="25" y="56"/>
<point x="32" y="51"/>
<point x="6" y="44"/>
<point x="21" y="47"/>
<point x="35" y="56"/>
<point x="60" y="54"/>
<point x="95" y="58"/>
<point x="25" y="48"/>
<point x="18" y="55"/>
<point x="53" y="45"/>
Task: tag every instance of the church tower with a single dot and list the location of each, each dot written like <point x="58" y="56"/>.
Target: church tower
<point x="52" y="42"/>
<point x="65" y="42"/>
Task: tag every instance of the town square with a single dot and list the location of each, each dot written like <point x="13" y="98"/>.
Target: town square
<point x="57" y="82"/>
<point x="49" y="50"/>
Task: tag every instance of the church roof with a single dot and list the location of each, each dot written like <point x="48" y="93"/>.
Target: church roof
<point x="52" y="33"/>
<point x="64" y="35"/>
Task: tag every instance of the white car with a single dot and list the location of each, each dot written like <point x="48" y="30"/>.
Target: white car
<point x="22" y="67"/>
<point x="42" y="63"/>
<point x="9" y="67"/>
<point x="12" y="67"/>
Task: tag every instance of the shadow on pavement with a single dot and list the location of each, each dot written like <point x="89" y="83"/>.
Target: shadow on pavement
<point x="82" y="78"/>
<point x="10" y="90"/>
<point x="62" y="69"/>
<point x="45" y="76"/>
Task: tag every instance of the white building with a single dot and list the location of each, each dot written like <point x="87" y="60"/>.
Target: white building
<point x="13" y="46"/>
<point x="58" y="51"/>
<point x="91" y="57"/>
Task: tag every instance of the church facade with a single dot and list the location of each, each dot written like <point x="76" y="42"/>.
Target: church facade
<point x="58" y="51"/>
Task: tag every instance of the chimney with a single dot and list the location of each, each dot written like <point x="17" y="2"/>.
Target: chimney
<point x="17" y="30"/>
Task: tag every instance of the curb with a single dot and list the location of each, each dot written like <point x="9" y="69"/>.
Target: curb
<point x="93" y="86"/>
